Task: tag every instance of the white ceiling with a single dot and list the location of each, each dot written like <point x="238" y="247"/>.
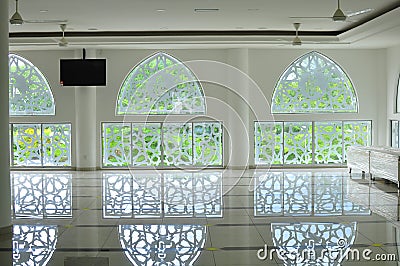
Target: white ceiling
<point x="88" y="20"/>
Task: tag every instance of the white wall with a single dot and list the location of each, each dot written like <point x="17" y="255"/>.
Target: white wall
<point x="392" y="76"/>
<point x="366" y="68"/>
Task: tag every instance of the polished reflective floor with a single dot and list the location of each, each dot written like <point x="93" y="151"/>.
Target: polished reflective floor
<point x="290" y="217"/>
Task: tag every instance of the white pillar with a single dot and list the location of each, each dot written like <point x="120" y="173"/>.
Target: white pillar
<point x="239" y="125"/>
<point x="5" y="195"/>
<point x="85" y="119"/>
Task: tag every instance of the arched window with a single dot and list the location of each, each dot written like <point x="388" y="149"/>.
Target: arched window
<point x="29" y="91"/>
<point x="314" y="84"/>
<point x="160" y="84"/>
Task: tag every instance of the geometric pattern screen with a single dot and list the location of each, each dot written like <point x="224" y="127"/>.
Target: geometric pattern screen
<point x="308" y="142"/>
<point x="314" y="84"/>
<point x="306" y="243"/>
<point x="33" y="244"/>
<point x="29" y="91"/>
<point x="160" y="84"/>
<point x="143" y="195"/>
<point x="38" y="195"/>
<point x="153" y="244"/>
<point x="40" y="145"/>
<point x="162" y="144"/>
<point x="305" y="194"/>
<point x="395" y="133"/>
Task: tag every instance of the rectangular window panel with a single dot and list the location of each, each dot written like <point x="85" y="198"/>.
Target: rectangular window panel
<point x="177" y="144"/>
<point x="207" y="194"/>
<point x="147" y="197"/>
<point x="268" y="142"/>
<point x="27" y="145"/>
<point x="268" y="194"/>
<point x="116" y="144"/>
<point x="328" y="194"/>
<point x="207" y="144"/>
<point x="56" y="144"/>
<point x="356" y="133"/>
<point x="395" y="134"/>
<point x="328" y="142"/>
<point x="298" y="143"/>
<point x="146" y="144"/>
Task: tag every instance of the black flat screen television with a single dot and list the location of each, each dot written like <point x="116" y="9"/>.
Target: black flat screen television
<point x="83" y="72"/>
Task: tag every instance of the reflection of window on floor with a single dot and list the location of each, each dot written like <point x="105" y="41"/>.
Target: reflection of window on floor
<point x="305" y="194"/>
<point x="162" y="144"/>
<point x="395" y="134"/>
<point x="144" y="196"/>
<point x="38" y="195"/>
<point x="308" y="142"/>
<point x="162" y="244"/>
<point x="33" y="244"/>
<point x="305" y="243"/>
<point x="40" y="145"/>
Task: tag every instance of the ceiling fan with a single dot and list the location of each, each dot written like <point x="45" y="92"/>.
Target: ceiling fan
<point x="296" y="41"/>
<point x="63" y="41"/>
<point x="339" y="15"/>
<point x="16" y="18"/>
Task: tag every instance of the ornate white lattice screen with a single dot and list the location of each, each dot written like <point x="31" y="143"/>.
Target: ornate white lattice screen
<point x="308" y="142"/>
<point x="143" y="196"/>
<point x="160" y="84"/>
<point x="41" y="145"/>
<point x="33" y="244"/>
<point x="38" y="195"/>
<point x="305" y="194"/>
<point x="29" y="91"/>
<point x="395" y="143"/>
<point x="162" y="144"/>
<point x="308" y="243"/>
<point x="162" y="244"/>
<point x="314" y="84"/>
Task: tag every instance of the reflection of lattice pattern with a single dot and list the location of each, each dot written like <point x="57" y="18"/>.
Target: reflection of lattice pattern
<point x="207" y="194"/>
<point x="29" y="91"/>
<point x="177" y="143"/>
<point x="27" y="145"/>
<point x="146" y="144"/>
<point x="147" y="196"/>
<point x="184" y="194"/>
<point x="268" y="194"/>
<point x="178" y="195"/>
<point x="56" y="144"/>
<point x="298" y="143"/>
<point x="307" y="243"/>
<point x="291" y="194"/>
<point x="116" y="144"/>
<point x="207" y="144"/>
<point x="42" y="195"/>
<point x="117" y="195"/>
<point x="328" y="142"/>
<point x="328" y="194"/>
<point x="162" y="244"/>
<point x="356" y="133"/>
<point x="314" y="83"/>
<point x="297" y="194"/>
<point x="268" y="142"/>
<point x="161" y="84"/>
<point x="33" y="244"/>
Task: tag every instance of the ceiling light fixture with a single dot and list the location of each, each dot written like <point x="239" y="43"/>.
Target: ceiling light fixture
<point x="206" y="9"/>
